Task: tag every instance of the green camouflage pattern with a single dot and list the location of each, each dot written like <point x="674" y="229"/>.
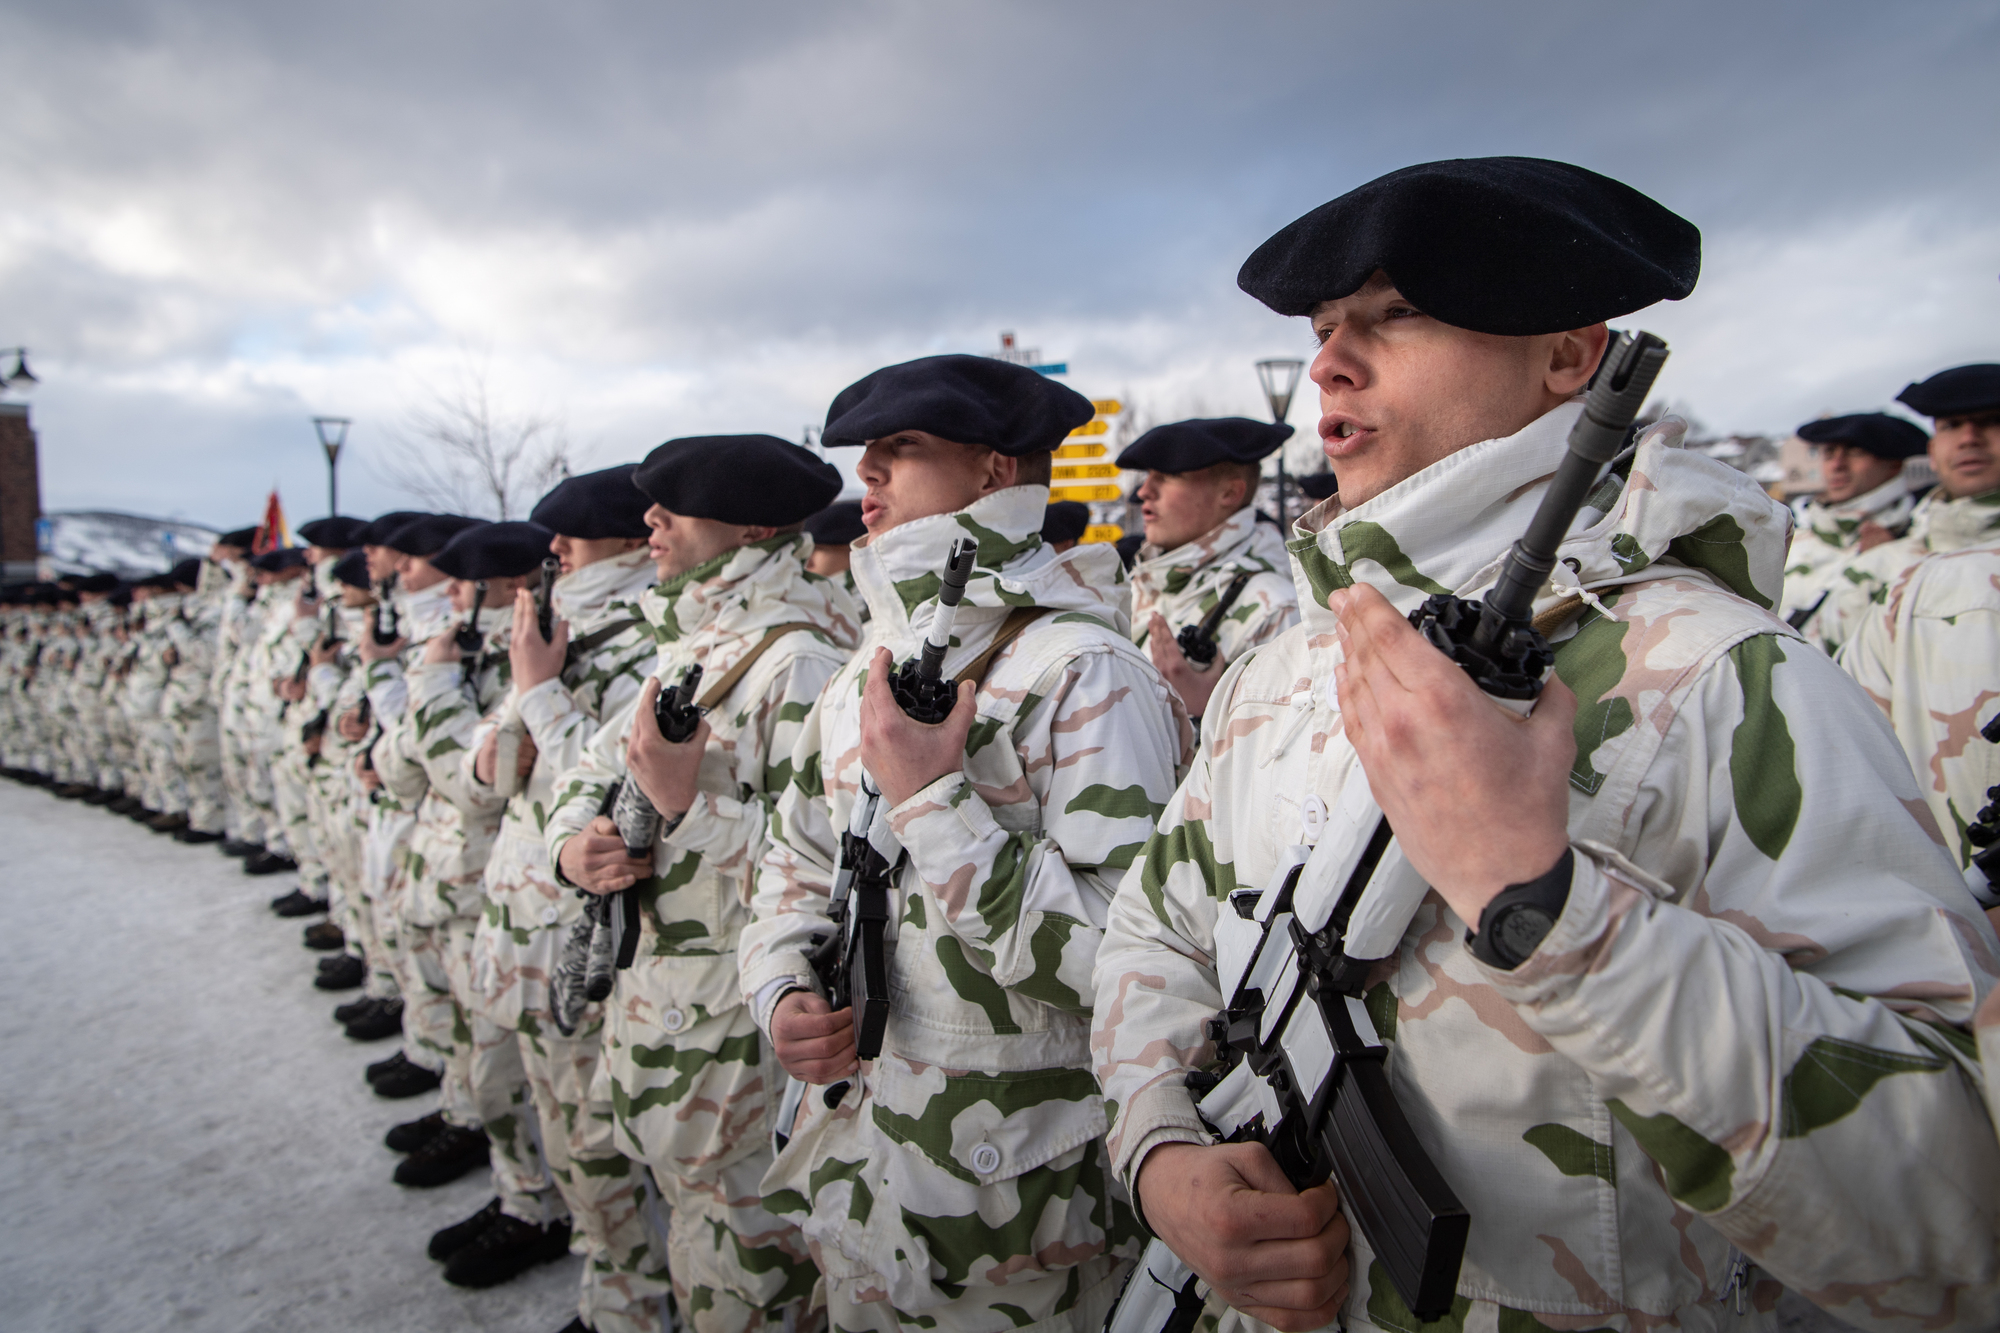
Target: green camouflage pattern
<point x="692" y="1085"/>
<point x="963" y="1183"/>
<point x="1621" y="1146"/>
<point x="1825" y="541"/>
<point x="1184" y="584"/>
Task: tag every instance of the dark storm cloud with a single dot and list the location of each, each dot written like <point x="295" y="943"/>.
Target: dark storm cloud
<point x="210" y="186"/>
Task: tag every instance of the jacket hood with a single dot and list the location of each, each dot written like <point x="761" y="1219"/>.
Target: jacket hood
<point x="1448" y="528"/>
<point x="604" y="591"/>
<point x="746" y="592"/>
<point x="897" y="571"/>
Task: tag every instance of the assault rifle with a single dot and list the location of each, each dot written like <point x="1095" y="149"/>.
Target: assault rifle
<point x="1984" y="831"/>
<point x="1197" y="641"/>
<point x="545" y="605"/>
<point x="512" y="731"/>
<point x="386" y="629"/>
<point x="1303" y="1070"/>
<point x="852" y="963"/>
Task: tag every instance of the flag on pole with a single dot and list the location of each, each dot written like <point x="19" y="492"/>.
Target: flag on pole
<point x="272" y="532"/>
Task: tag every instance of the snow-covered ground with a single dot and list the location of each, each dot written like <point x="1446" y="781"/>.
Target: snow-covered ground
<point x="186" y="1141"/>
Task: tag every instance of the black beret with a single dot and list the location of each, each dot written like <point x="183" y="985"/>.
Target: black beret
<point x="1128" y="547"/>
<point x="494" y="551"/>
<point x="595" y="506"/>
<point x="1958" y="392"/>
<point x="352" y="569"/>
<point x="1504" y="245"/>
<point x="95" y="583"/>
<point x="338" y="533"/>
<point x="1318" y="485"/>
<point x="1877" y="433"/>
<point x="425" y="535"/>
<point x="187" y="573"/>
<point x="384" y="527"/>
<point x="242" y="537"/>
<point x="1065" y="520"/>
<point x="970" y="399"/>
<point x="285" y="557"/>
<point x="1187" y="446"/>
<point x="757" y="480"/>
<point x="839" y="524"/>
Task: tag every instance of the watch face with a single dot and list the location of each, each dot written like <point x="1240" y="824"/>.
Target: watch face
<point x="1521" y="931"/>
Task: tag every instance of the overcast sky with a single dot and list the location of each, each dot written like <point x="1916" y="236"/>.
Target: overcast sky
<point x="657" y="219"/>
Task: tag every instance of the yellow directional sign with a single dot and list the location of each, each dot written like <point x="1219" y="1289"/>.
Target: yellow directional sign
<point x="1106" y="407"/>
<point x="1085" y="493"/>
<point x="1082" y="450"/>
<point x="1079" y="471"/>
<point x="1103" y="532"/>
<point x="1097" y="427"/>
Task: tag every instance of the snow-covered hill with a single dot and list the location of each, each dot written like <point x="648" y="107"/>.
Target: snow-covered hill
<point x="88" y="540"/>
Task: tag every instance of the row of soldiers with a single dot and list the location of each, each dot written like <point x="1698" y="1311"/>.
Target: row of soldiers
<point x="588" y="834"/>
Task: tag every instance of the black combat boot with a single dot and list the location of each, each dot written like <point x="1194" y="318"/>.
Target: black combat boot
<point x="412" y="1080"/>
<point x="196" y="836"/>
<point x="167" y="823"/>
<point x="237" y="848"/>
<point x="344" y="1014"/>
<point x="412" y="1135"/>
<point x="505" y="1250"/>
<point x="102" y="796"/>
<point x="296" y="903"/>
<point x="458" y="1235"/>
<point x="577" y="1325"/>
<point x="325" y="936"/>
<point x="346" y="973"/>
<point x="449" y="1155"/>
<point x="388" y="1066"/>
<point x="384" y="1020"/>
<point x="271" y="863"/>
<point x="73" y="791"/>
<point x="124" y="805"/>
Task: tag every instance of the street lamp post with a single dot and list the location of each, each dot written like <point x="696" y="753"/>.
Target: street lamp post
<point x="1280" y="378"/>
<point x="332" y="434"/>
<point x="20" y="377"/>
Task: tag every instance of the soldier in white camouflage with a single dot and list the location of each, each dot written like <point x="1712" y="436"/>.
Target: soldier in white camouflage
<point x="1962" y="510"/>
<point x="523" y="1064"/>
<point x="1680" y="803"/>
<point x="1864" y="502"/>
<point x="399" y="545"/>
<point x="959" y="1181"/>
<point x="687" y="1085"/>
<point x="1202" y="533"/>
<point x="1929" y="656"/>
<point x="337" y="803"/>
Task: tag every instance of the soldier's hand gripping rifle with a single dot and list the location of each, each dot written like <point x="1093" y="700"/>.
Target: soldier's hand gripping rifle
<point x="1984" y="831"/>
<point x="1197" y="641"/>
<point x="852" y="963"/>
<point x="1303" y="1070"/>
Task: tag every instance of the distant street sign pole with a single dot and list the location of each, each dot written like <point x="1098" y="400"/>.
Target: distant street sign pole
<point x="1280" y="378"/>
<point x="332" y="435"/>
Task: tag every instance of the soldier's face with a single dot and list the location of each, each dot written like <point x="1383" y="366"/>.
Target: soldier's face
<point x="1966" y="453"/>
<point x="914" y="474"/>
<point x="1399" y="391"/>
<point x="679" y="543"/>
<point x="576" y="552"/>
<point x="417" y="573"/>
<point x="1180" y="506"/>
<point x="1847" y="472"/>
<point x="382" y="562"/>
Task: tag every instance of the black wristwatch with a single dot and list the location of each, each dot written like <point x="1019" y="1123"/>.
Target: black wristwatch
<point x="1521" y="916"/>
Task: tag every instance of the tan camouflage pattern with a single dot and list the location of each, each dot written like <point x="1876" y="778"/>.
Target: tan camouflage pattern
<point x="963" y="1183"/>
<point x="1184" y="584"/>
<point x="1937" y="523"/>
<point x="692" y="1084"/>
<point x="1619" y="1145"/>
<point x="1826" y="539"/>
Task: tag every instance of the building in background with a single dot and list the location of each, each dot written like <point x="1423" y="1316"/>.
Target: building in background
<point x="20" y="493"/>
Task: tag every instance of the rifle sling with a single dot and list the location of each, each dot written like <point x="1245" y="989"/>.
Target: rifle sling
<point x="1010" y="629"/>
<point x="601" y="635"/>
<point x="720" y="690"/>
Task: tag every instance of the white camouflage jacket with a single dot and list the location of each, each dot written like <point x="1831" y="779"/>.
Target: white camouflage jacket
<point x="995" y="1169"/>
<point x="1183" y="584"/>
<point x="1937" y="523"/>
<point x="1825" y="541"/>
<point x="1746" y="1033"/>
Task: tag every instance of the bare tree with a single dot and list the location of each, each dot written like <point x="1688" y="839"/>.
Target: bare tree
<point x="462" y="453"/>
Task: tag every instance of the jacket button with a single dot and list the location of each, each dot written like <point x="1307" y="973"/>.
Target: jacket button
<point x="1312" y="815"/>
<point x="673" y="1020"/>
<point x="550" y="915"/>
<point x="985" y="1159"/>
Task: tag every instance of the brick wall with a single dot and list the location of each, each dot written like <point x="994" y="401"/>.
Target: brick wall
<point x="20" y="488"/>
